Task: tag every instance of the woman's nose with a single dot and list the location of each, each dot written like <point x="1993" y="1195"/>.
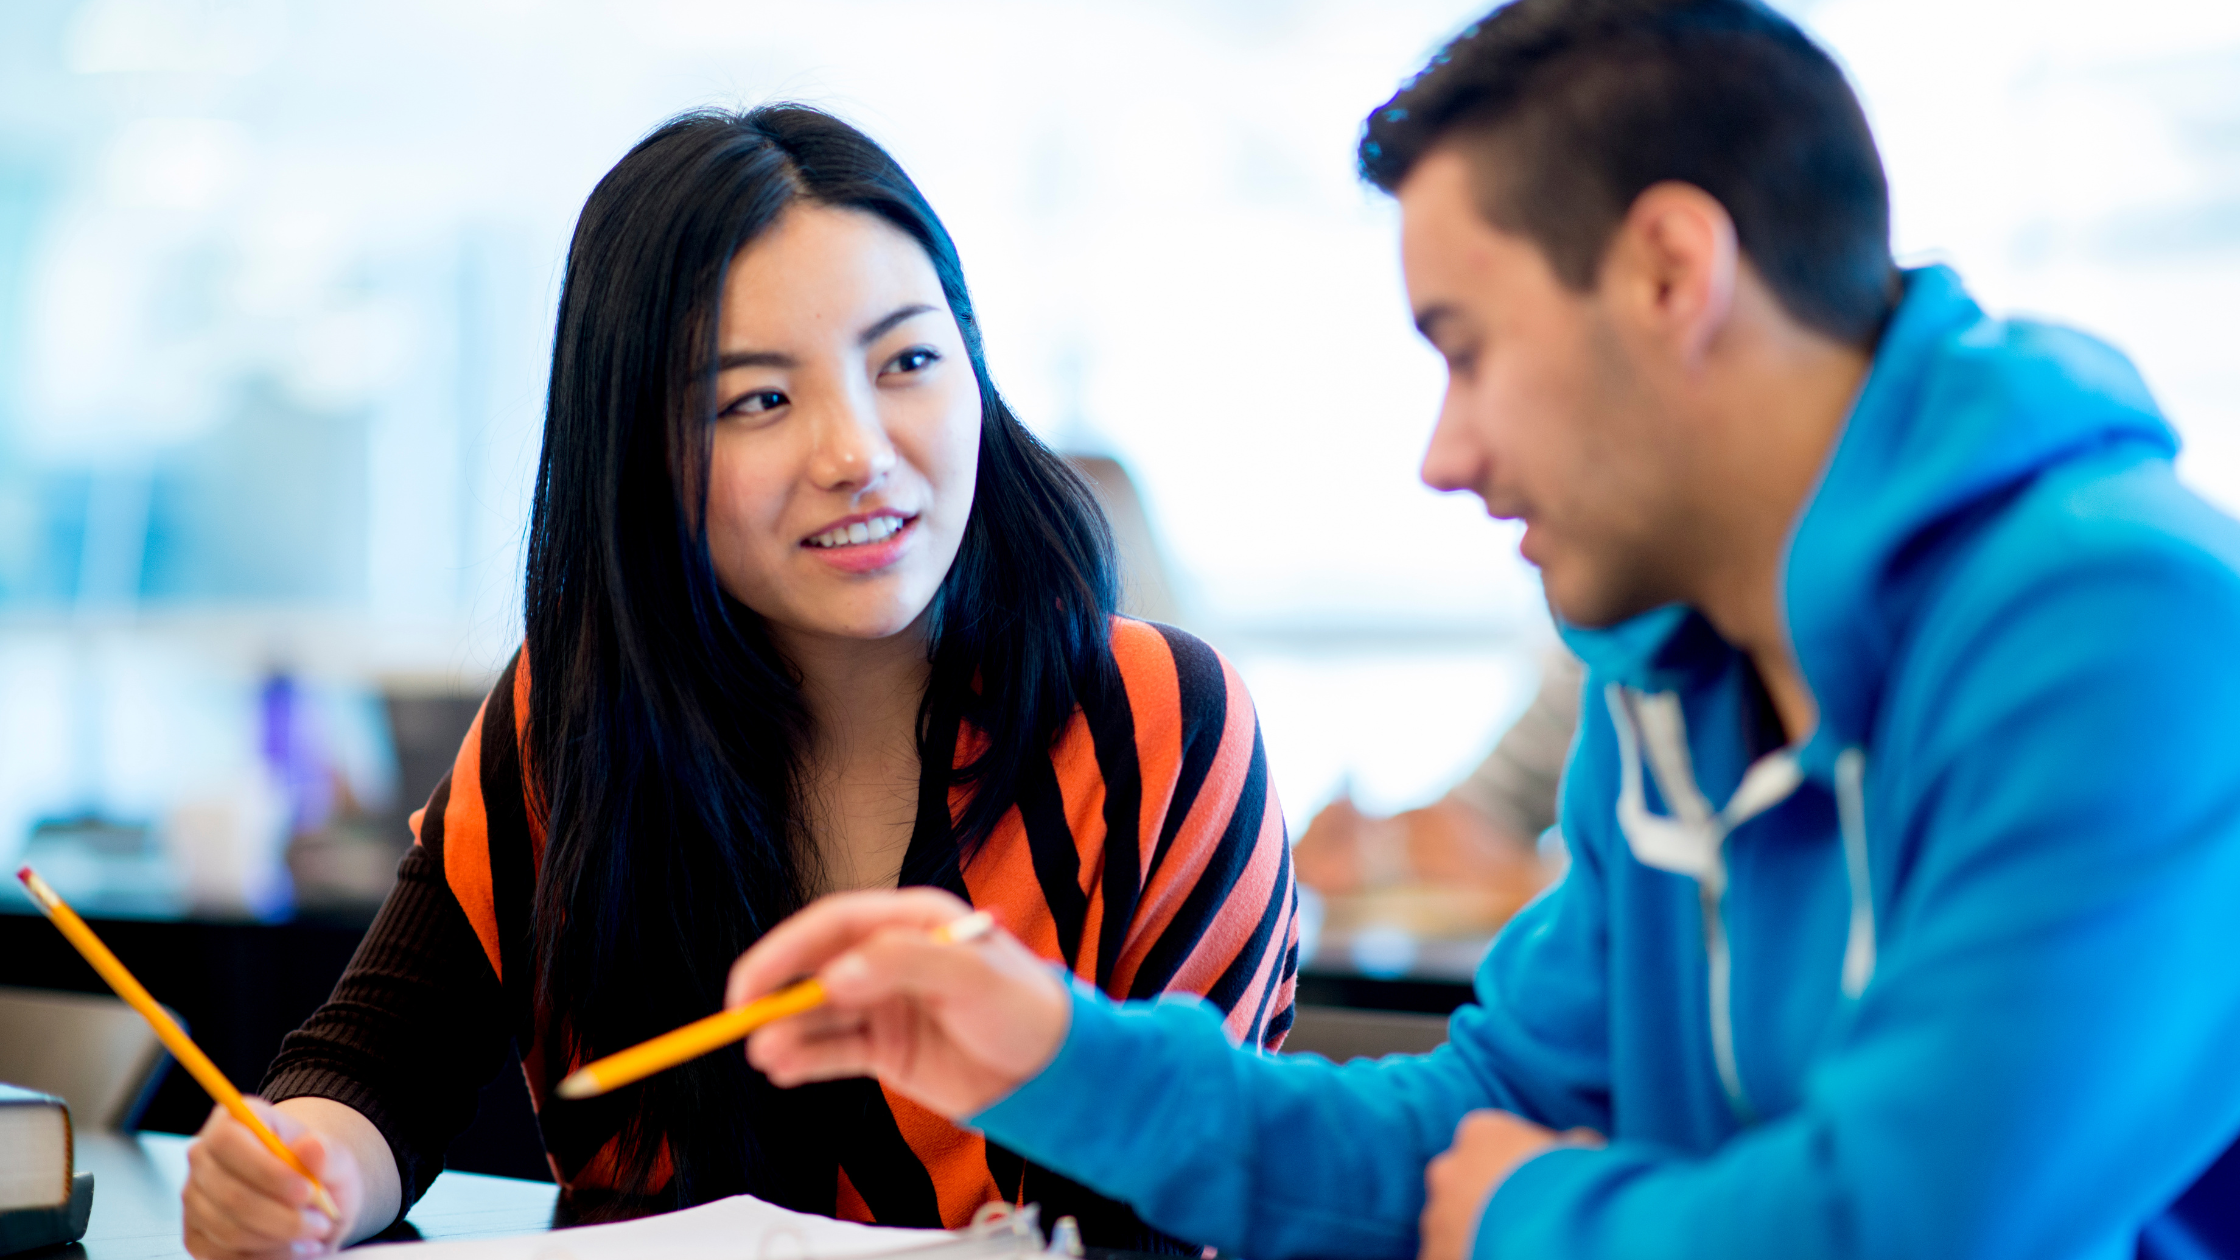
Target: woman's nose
<point x="852" y="451"/>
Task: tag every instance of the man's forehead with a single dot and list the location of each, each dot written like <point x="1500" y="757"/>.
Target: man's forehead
<point x="1451" y="255"/>
<point x="1448" y="252"/>
<point x="1439" y="189"/>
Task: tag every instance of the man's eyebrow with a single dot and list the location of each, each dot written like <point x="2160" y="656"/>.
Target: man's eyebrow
<point x="894" y="317"/>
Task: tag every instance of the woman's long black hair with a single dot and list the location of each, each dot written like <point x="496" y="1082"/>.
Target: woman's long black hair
<point x="665" y="730"/>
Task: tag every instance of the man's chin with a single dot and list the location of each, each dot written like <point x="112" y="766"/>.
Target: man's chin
<point x="1590" y="605"/>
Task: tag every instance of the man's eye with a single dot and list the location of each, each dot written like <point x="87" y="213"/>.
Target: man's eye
<point x="915" y="359"/>
<point x="759" y="401"/>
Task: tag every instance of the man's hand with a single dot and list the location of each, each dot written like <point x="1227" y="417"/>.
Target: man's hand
<point x="956" y="1027"/>
<point x="1488" y="1146"/>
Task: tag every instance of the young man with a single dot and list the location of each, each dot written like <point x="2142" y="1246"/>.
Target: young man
<point x="1905" y="817"/>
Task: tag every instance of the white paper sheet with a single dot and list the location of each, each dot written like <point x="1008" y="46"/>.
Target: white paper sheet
<point x="739" y="1228"/>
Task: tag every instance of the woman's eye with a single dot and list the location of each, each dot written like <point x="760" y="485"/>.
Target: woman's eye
<point x="915" y="359"/>
<point x="755" y="403"/>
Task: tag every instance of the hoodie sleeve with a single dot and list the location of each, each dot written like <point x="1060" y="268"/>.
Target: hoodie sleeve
<point x="2052" y="977"/>
<point x="2043" y="1058"/>
<point x="1297" y="1156"/>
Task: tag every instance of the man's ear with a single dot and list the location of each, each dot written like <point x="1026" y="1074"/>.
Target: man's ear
<point x="1671" y="269"/>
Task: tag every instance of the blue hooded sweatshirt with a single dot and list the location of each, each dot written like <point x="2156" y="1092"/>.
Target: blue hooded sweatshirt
<point x="1957" y="976"/>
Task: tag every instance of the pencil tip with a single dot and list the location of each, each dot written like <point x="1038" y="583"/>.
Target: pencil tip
<point x="579" y="1084"/>
<point x="325" y="1202"/>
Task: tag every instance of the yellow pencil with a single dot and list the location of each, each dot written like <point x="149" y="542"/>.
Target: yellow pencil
<point x="175" y="1039"/>
<point x="724" y="1027"/>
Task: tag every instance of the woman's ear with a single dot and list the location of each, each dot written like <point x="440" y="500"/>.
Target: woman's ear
<point x="1671" y="269"/>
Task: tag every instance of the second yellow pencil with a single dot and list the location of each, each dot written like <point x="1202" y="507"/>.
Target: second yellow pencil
<point x="722" y="1028"/>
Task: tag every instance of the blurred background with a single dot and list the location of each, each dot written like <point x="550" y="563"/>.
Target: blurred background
<point x="276" y="289"/>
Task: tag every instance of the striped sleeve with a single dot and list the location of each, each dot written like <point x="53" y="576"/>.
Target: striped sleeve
<point x="422" y="1018"/>
<point x="490" y="836"/>
<point x="480" y="821"/>
<point x="1198" y="890"/>
<point x="411" y="1033"/>
<point x="1148" y="853"/>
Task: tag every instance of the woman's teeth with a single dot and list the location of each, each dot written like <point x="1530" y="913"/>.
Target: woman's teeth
<point x="861" y="532"/>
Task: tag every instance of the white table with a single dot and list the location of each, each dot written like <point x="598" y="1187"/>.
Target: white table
<point x="136" y="1181"/>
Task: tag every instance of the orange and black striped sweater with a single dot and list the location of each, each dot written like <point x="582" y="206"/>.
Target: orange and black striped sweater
<point x="1149" y="858"/>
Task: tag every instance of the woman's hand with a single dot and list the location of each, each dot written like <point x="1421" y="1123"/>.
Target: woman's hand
<point x="957" y="1027"/>
<point x="241" y="1201"/>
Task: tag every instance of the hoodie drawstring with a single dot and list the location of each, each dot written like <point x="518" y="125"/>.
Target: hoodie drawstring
<point x="1851" y="812"/>
<point x="1691" y="841"/>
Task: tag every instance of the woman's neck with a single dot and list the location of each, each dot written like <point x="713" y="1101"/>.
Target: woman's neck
<point x="860" y="771"/>
<point x="859" y="691"/>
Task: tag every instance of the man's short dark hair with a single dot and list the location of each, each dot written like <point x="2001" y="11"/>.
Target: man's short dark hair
<point x="1587" y="103"/>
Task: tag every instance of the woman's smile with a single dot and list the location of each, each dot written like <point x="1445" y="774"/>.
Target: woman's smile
<point x="864" y="543"/>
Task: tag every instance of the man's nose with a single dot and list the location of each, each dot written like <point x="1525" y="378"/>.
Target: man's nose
<point x="852" y="451"/>
<point x="1453" y="460"/>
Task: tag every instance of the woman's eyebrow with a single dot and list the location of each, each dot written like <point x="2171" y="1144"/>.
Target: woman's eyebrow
<point x="779" y="359"/>
<point x="730" y="359"/>
<point x="894" y="317"/>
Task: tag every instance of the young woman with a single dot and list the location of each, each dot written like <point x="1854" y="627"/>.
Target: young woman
<point x="808" y="610"/>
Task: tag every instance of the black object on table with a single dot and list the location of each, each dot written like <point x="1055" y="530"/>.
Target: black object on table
<point x="29" y="1229"/>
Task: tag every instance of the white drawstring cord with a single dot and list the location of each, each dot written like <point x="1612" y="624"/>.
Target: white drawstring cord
<point x="1851" y="812"/>
<point x="1692" y="841"/>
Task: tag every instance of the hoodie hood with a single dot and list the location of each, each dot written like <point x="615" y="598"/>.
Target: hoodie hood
<point x="1958" y="409"/>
